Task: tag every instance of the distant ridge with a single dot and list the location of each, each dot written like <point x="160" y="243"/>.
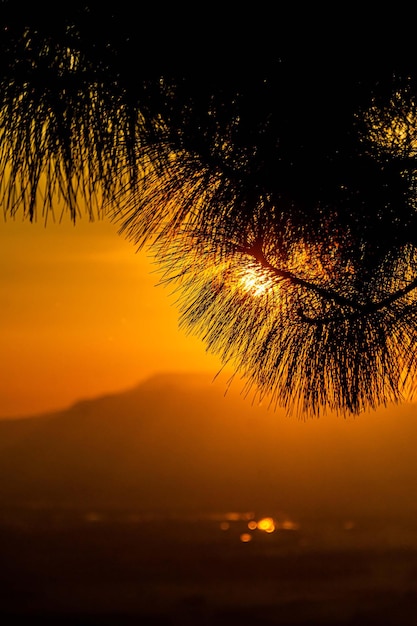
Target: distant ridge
<point x="164" y="378"/>
<point x="178" y="441"/>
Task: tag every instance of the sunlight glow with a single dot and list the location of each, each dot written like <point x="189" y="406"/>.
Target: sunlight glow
<point x="393" y="129"/>
<point x="255" y="281"/>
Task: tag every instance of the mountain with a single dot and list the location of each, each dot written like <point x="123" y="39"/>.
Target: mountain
<point x="178" y="442"/>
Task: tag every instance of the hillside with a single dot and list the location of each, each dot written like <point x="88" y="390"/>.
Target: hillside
<point x="177" y="442"/>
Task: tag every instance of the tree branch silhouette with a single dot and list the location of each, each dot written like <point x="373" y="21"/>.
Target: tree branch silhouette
<point x="277" y="196"/>
<point x="256" y="252"/>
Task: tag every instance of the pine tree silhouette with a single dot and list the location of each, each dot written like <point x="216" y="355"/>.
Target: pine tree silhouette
<point x="274" y="183"/>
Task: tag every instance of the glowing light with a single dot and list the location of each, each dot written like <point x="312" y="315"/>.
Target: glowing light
<point x="267" y="524"/>
<point x="252" y="525"/>
<point x="393" y="132"/>
<point x="236" y="517"/>
<point x="224" y="526"/>
<point x="255" y="281"/>
<point x="245" y="537"/>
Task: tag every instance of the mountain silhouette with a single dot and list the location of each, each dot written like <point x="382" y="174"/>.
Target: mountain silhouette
<point x="179" y="442"/>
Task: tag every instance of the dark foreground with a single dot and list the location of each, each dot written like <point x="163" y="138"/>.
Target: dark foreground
<point x="73" y="569"/>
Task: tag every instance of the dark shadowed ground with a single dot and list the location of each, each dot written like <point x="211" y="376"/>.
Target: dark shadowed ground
<point x="121" y="568"/>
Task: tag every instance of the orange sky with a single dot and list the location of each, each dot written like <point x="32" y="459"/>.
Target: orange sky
<point x="81" y="315"/>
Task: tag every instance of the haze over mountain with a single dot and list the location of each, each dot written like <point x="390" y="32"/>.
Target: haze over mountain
<point x="176" y="442"/>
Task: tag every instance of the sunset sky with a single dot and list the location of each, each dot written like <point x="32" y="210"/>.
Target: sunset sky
<point x="81" y="316"/>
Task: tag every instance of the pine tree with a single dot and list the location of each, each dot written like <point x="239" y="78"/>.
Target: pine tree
<point x="274" y="182"/>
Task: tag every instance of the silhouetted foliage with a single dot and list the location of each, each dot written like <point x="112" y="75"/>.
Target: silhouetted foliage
<point x="275" y="184"/>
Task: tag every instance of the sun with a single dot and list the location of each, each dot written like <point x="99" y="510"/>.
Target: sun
<point x="255" y="280"/>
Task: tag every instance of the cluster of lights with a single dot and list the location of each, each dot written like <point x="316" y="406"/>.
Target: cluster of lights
<point x="265" y="524"/>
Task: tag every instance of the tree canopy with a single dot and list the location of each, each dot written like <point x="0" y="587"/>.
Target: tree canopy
<point x="274" y="181"/>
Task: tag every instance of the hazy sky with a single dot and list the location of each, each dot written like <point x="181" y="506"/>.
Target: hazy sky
<point x="81" y="315"/>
